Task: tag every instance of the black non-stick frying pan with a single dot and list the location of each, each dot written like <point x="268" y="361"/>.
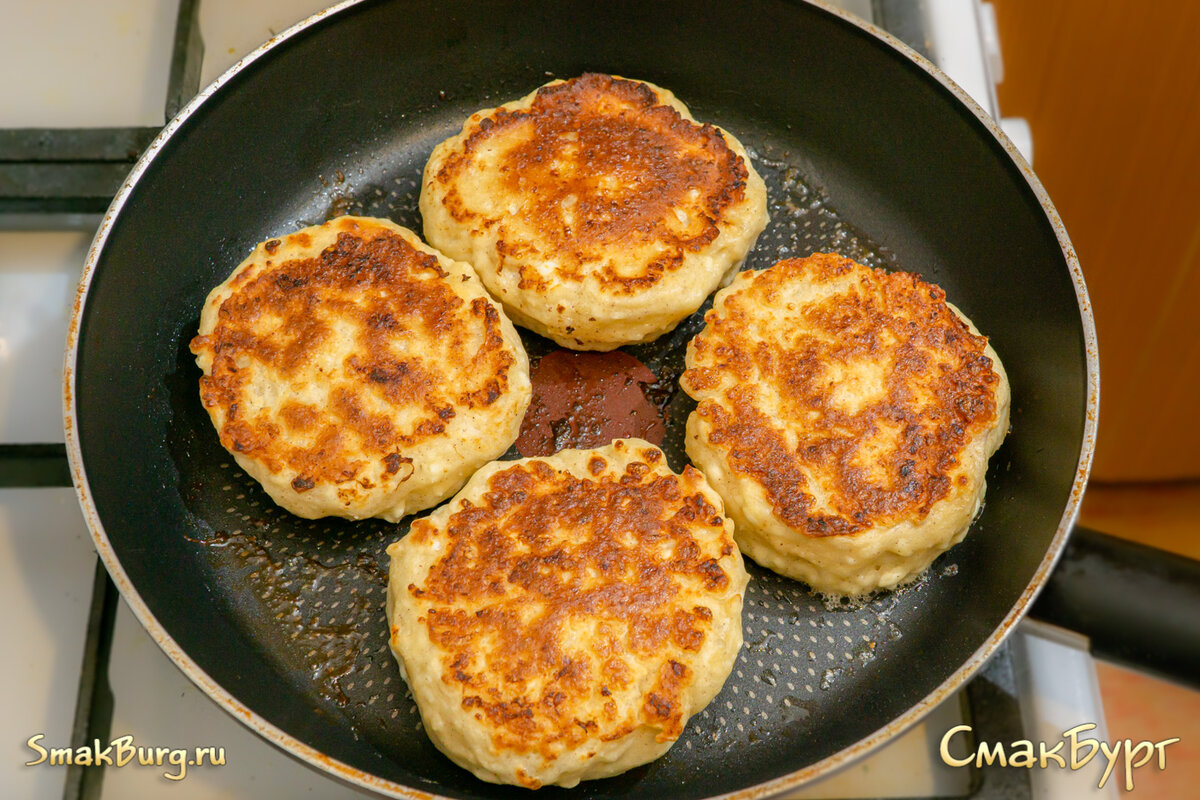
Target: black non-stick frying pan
<point x="866" y="150"/>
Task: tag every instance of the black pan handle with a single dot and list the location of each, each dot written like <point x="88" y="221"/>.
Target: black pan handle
<point x="1139" y="606"/>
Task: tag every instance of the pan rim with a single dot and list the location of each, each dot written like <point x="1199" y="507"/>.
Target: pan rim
<point x="357" y="777"/>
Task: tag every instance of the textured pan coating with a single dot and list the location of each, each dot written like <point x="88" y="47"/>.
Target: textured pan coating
<point x="561" y="618"/>
<point x="356" y="372"/>
<point x="846" y="415"/>
<point x="597" y="210"/>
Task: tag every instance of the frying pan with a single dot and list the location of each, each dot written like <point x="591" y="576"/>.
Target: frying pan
<point x="866" y="149"/>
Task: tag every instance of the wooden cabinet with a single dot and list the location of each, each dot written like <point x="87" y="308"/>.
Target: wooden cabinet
<point x="1111" y="90"/>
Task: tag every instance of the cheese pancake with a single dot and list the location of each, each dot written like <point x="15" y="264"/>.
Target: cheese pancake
<point x="846" y="415"/>
<point x="597" y="210"/>
<point x="561" y="618"/>
<point x="356" y="372"/>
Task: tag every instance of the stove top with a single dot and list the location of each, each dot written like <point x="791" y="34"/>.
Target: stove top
<point x="93" y="78"/>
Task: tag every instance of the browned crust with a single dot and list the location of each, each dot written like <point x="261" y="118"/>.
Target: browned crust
<point x="547" y="550"/>
<point x="281" y="314"/>
<point x="577" y="135"/>
<point x="939" y="395"/>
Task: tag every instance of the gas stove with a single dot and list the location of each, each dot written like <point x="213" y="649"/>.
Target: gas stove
<point x="89" y="85"/>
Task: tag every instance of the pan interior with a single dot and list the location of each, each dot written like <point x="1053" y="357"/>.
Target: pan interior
<point x="862" y="154"/>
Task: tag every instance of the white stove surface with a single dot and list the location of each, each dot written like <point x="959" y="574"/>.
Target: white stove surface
<point x="46" y="569"/>
<point x="86" y="64"/>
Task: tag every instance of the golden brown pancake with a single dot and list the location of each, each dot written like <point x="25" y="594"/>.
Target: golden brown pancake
<point x="597" y="210"/>
<point x="846" y="416"/>
<point x="354" y="371"/>
<point x="561" y="618"/>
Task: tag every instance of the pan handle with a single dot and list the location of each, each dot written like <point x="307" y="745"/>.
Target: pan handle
<point x="1138" y="605"/>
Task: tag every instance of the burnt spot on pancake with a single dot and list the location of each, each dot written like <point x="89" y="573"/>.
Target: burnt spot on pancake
<point x="597" y="163"/>
<point x="883" y="385"/>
